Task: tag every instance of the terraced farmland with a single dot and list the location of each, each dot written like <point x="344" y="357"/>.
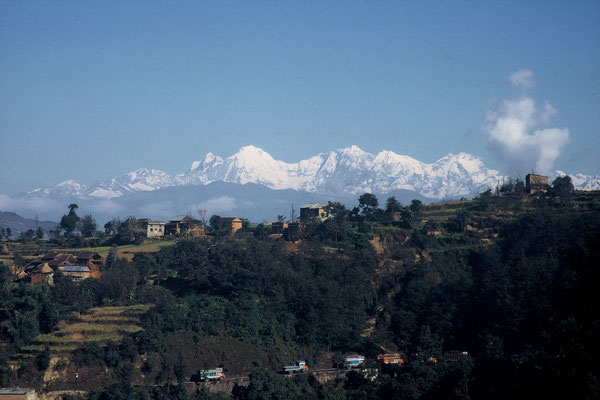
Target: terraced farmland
<point x="100" y="325"/>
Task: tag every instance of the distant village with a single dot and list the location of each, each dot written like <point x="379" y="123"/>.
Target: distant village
<point x="88" y="264"/>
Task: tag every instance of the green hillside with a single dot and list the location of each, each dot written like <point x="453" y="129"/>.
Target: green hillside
<point x="509" y="281"/>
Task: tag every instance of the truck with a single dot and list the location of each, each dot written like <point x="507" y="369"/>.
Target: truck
<point x="391" y="358"/>
<point x="299" y="367"/>
<point x="211" y="374"/>
<point x="353" y="361"/>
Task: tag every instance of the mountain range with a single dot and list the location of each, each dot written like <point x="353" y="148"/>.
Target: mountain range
<point x="336" y="175"/>
<point x="341" y="172"/>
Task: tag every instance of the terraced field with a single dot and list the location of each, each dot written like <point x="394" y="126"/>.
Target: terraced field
<point x="126" y="251"/>
<point x="100" y="325"/>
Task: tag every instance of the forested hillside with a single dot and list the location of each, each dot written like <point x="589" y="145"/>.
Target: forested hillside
<point x="510" y="281"/>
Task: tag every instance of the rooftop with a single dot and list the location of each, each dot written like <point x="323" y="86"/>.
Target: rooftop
<point x="313" y="205"/>
<point x="16" y="391"/>
<point x="75" y="268"/>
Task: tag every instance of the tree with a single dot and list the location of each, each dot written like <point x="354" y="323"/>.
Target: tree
<point x="519" y="188"/>
<point x="130" y="231"/>
<point x="563" y="187"/>
<point x="180" y="369"/>
<point x="112" y="226"/>
<point x="392" y="206"/>
<point x="39" y="232"/>
<point x="336" y="210"/>
<point x="262" y="231"/>
<point x="219" y="227"/>
<point x="88" y="226"/>
<point x="48" y="317"/>
<point x="27" y="235"/>
<point x="459" y="224"/>
<point x="507" y="187"/>
<point x="8" y="233"/>
<point x="42" y="361"/>
<point x="368" y="203"/>
<point x="416" y="207"/>
<point x="280" y="218"/>
<point x="69" y="221"/>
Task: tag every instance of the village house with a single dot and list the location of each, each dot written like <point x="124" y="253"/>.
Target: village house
<point x="278" y="228"/>
<point x="43" y="274"/>
<point x="235" y="223"/>
<point x="17" y="394"/>
<point x="88" y="264"/>
<point x="196" y="231"/>
<point x="153" y="228"/>
<point x="293" y="232"/>
<point x="183" y="224"/>
<point x="176" y="225"/>
<point x="93" y="261"/>
<point x="76" y="272"/>
<point x="313" y="212"/>
<point x="536" y="183"/>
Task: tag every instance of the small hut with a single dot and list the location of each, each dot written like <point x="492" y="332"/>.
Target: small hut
<point x="43" y="274"/>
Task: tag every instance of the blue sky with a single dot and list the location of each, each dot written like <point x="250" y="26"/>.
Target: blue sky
<point x="90" y="90"/>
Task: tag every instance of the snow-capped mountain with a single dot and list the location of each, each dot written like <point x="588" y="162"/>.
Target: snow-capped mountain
<point x="348" y="171"/>
<point x="342" y="172"/>
<point x="68" y="188"/>
<point x="581" y="181"/>
<point x="142" y="179"/>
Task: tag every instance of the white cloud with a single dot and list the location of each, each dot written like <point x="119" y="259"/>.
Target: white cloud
<point x="106" y="206"/>
<point x="41" y="204"/>
<point x="162" y="209"/>
<point x="521" y="78"/>
<point x="217" y="204"/>
<point x="515" y="133"/>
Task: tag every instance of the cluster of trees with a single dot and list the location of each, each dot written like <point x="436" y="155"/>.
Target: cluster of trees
<point x="5" y="233"/>
<point x="368" y="210"/>
<point x="562" y="187"/>
<point x="524" y="306"/>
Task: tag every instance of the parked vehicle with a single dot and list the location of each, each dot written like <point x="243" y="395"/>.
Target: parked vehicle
<point x="211" y="374"/>
<point x="299" y="367"/>
<point x="392" y="358"/>
<point x="353" y="361"/>
<point x="454" y="355"/>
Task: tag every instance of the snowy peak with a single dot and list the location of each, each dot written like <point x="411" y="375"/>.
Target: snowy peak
<point x="347" y="171"/>
<point x="68" y="188"/>
<point x="142" y="179"/>
<point x="580" y="181"/>
<point x="209" y="160"/>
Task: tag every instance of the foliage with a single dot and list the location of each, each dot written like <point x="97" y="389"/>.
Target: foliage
<point x="563" y="187"/>
<point x="522" y="304"/>
<point x="367" y="203"/>
<point x="88" y="226"/>
<point x="42" y="361"/>
<point x="69" y="221"/>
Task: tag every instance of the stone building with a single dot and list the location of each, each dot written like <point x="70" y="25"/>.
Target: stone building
<point x="152" y="228"/>
<point x="235" y="223"/>
<point x="313" y="212"/>
<point x="536" y="183"/>
<point x="17" y="394"/>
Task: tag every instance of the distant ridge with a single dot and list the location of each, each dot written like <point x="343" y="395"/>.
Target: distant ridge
<point x="18" y="224"/>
